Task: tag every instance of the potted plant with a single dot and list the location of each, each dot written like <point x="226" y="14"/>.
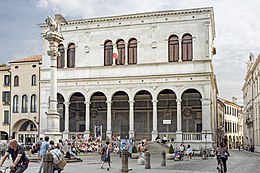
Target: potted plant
<point x="170" y="155"/>
<point x="134" y="152"/>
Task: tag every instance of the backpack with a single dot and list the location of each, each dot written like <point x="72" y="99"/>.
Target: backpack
<point x="38" y="145"/>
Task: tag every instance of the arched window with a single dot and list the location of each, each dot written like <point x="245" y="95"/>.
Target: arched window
<point x="34" y="80"/>
<point x="173" y="48"/>
<point x="108" y="53"/>
<point x="15" y="104"/>
<point x="132" y="51"/>
<point x="33" y="103"/>
<point x="71" y="55"/>
<point x="61" y="58"/>
<point x="187" y="54"/>
<point x="16" y="81"/>
<point x="121" y="52"/>
<point x="24" y="104"/>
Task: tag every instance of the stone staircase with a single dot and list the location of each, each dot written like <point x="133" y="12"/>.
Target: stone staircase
<point x="156" y="148"/>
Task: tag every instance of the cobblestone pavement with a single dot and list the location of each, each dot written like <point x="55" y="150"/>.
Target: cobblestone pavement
<point x="239" y="162"/>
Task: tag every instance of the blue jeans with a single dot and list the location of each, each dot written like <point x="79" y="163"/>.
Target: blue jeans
<point x="20" y="169"/>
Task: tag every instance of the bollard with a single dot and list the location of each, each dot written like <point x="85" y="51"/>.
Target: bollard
<point x="147" y="160"/>
<point x="124" y="160"/>
<point x="48" y="163"/>
<point x="163" y="158"/>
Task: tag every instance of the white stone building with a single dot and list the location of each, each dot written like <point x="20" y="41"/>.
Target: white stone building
<point x="162" y="83"/>
<point x="233" y="120"/>
<point x="251" y="90"/>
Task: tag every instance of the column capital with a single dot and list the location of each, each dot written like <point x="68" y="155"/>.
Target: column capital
<point x="206" y="101"/>
<point x="178" y="100"/>
<point x="87" y="102"/>
<point x="154" y="101"/>
<point x="131" y="101"/>
<point x="66" y="103"/>
<point x="109" y="102"/>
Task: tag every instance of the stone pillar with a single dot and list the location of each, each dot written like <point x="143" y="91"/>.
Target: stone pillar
<point x="66" y="130"/>
<point x="124" y="160"/>
<point x="206" y="120"/>
<point x="87" y="121"/>
<point x="131" y="119"/>
<point x="179" y="121"/>
<point x="48" y="163"/>
<point x="147" y="160"/>
<point x="126" y="54"/>
<point x="180" y="51"/>
<point x="53" y="117"/>
<point x="109" y="132"/>
<point x="155" y="130"/>
<point x="163" y="158"/>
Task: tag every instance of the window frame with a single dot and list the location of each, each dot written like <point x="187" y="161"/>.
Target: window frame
<point x="33" y="104"/>
<point x="108" y="53"/>
<point x="187" y="47"/>
<point x="71" y="55"/>
<point x="132" y="51"/>
<point x="24" y="103"/>
<point x="16" y="80"/>
<point x="15" y="104"/>
<point x="173" y="48"/>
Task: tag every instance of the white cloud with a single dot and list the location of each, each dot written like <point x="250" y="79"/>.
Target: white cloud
<point x="237" y="28"/>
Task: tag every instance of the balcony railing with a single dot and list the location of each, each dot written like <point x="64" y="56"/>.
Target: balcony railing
<point x="191" y="136"/>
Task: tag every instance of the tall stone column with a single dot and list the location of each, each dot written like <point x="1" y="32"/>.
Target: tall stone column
<point x="131" y="119"/>
<point x="54" y="37"/>
<point x="179" y="121"/>
<point x="87" y="121"/>
<point x="206" y="120"/>
<point x="109" y="132"/>
<point x="66" y="129"/>
<point x="155" y="130"/>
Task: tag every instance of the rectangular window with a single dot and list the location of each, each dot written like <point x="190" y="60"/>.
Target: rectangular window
<point x="6" y="97"/>
<point x="7" y="80"/>
<point x="6" y="117"/>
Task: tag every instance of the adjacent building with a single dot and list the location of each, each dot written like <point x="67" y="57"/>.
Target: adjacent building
<point x="251" y="90"/>
<point x="161" y="83"/>
<point x="24" y="77"/>
<point x="6" y="101"/>
<point x="233" y="124"/>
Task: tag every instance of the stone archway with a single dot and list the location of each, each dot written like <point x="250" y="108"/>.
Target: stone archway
<point x="143" y="115"/>
<point x="77" y="113"/>
<point x="61" y="111"/>
<point x="191" y="111"/>
<point x="167" y="111"/>
<point x="120" y="114"/>
<point x="98" y="115"/>
<point x="27" y="133"/>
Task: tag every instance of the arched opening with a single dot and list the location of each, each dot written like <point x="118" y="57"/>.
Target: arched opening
<point x="191" y="111"/>
<point x="143" y="115"/>
<point x="61" y="111"/>
<point x="98" y="115"/>
<point x="27" y="133"/>
<point x="167" y="113"/>
<point x="120" y="114"/>
<point x="77" y="113"/>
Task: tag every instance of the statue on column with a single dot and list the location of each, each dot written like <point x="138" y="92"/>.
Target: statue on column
<point x="55" y="24"/>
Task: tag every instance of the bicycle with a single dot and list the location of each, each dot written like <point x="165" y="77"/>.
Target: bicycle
<point x="220" y="167"/>
<point x="3" y="169"/>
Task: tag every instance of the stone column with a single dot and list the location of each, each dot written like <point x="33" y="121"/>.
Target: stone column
<point x="155" y="130"/>
<point x="53" y="117"/>
<point x="180" y="52"/>
<point x="87" y="121"/>
<point x="179" y="121"/>
<point x="206" y="120"/>
<point x="131" y="119"/>
<point x="66" y="130"/>
<point x="126" y="54"/>
<point x="109" y="132"/>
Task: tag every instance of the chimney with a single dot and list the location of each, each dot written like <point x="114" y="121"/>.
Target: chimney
<point x="234" y="100"/>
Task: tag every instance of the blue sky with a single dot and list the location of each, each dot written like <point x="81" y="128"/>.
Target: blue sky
<point x="237" y="29"/>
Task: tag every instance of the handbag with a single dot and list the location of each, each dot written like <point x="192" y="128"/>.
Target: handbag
<point x="62" y="162"/>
